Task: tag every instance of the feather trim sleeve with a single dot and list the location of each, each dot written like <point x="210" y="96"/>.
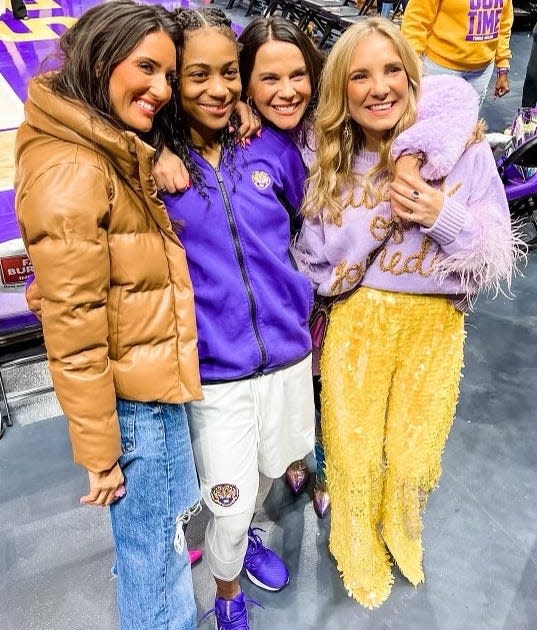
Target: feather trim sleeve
<point x="477" y="241"/>
<point x="447" y="114"/>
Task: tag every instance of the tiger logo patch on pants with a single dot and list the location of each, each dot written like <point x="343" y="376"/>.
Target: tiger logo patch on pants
<point x="225" y="494"/>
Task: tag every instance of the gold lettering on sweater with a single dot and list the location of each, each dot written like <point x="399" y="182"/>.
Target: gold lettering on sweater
<point x="344" y="273"/>
<point x="397" y="264"/>
<point x="379" y="226"/>
<point x="454" y="189"/>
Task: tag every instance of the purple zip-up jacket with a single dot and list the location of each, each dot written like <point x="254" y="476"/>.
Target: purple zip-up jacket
<point x="252" y="305"/>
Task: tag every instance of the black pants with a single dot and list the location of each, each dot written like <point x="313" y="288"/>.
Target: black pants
<point x="19" y="9"/>
<point x="529" y="91"/>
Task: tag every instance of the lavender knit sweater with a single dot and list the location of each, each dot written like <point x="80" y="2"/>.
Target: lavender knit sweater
<point x="470" y="246"/>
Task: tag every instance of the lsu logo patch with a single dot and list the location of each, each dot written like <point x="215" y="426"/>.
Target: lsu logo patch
<point x="225" y="494"/>
<point x="261" y="180"/>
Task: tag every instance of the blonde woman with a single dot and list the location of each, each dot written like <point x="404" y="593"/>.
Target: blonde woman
<point x="393" y="353"/>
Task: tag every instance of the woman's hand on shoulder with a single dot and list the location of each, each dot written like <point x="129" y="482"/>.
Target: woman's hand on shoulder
<point x="412" y="198"/>
<point x="170" y="173"/>
<point x="104" y="487"/>
<point x="250" y="125"/>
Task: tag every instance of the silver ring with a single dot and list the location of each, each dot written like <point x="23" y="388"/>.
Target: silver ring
<point x="161" y="188"/>
<point x="415" y="195"/>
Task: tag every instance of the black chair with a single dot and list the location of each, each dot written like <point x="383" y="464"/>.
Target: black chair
<point x="284" y="7"/>
<point x="397" y="7"/>
<point x="337" y="21"/>
<point x="260" y="6"/>
<point x="292" y="11"/>
<point x="230" y="4"/>
<point x="366" y="7"/>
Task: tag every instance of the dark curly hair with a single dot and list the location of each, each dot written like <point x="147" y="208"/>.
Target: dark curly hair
<point x="176" y="132"/>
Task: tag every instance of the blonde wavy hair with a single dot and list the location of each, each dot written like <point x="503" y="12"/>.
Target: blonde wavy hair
<point x="332" y="172"/>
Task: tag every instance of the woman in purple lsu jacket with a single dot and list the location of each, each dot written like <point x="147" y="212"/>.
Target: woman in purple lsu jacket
<point x="252" y="308"/>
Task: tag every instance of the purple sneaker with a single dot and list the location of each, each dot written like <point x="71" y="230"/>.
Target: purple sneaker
<point x="231" y="614"/>
<point x="263" y="567"/>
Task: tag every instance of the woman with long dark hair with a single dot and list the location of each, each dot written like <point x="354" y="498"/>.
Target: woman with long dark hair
<point x="116" y="299"/>
<point x="280" y="72"/>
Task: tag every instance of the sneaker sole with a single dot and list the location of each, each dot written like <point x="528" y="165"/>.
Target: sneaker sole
<point x="264" y="586"/>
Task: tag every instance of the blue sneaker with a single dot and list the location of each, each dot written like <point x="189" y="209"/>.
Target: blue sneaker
<point x="231" y="614"/>
<point x="263" y="567"/>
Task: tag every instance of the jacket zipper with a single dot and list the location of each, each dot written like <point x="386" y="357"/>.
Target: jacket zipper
<point x="240" y="258"/>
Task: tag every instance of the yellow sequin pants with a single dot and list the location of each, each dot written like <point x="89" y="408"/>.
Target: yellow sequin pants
<point x="390" y="372"/>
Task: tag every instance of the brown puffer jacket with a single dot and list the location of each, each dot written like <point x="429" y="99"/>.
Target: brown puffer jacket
<point x="117" y="307"/>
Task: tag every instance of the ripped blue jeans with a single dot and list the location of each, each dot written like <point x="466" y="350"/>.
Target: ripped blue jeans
<point x="154" y="581"/>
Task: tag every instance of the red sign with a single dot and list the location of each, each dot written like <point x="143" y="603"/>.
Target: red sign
<point x="15" y="269"/>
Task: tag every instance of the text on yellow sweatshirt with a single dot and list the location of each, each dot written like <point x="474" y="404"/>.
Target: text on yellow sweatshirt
<point x="460" y="34"/>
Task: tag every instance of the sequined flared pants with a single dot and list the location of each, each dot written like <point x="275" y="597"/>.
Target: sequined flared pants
<point x="390" y="372"/>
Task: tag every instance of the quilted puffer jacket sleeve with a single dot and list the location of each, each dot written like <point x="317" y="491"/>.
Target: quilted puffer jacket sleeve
<point x="63" y="215"/>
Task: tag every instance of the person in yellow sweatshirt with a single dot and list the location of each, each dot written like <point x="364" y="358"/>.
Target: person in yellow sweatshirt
<point x="463" y="37"/>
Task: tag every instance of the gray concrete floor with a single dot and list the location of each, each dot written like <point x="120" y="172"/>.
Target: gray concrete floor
<point x="480" y="525"/>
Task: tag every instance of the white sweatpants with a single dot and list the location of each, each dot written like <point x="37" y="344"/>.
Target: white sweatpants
<point x="245" y="433"/>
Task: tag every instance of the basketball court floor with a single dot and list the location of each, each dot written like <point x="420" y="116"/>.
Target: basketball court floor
<point x="480" y="525"/>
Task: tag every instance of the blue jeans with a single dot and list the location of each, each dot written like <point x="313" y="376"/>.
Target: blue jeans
<point x="154" y="581"/>
<point x="385" y="9"/>
<point x="478" y="79"/>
